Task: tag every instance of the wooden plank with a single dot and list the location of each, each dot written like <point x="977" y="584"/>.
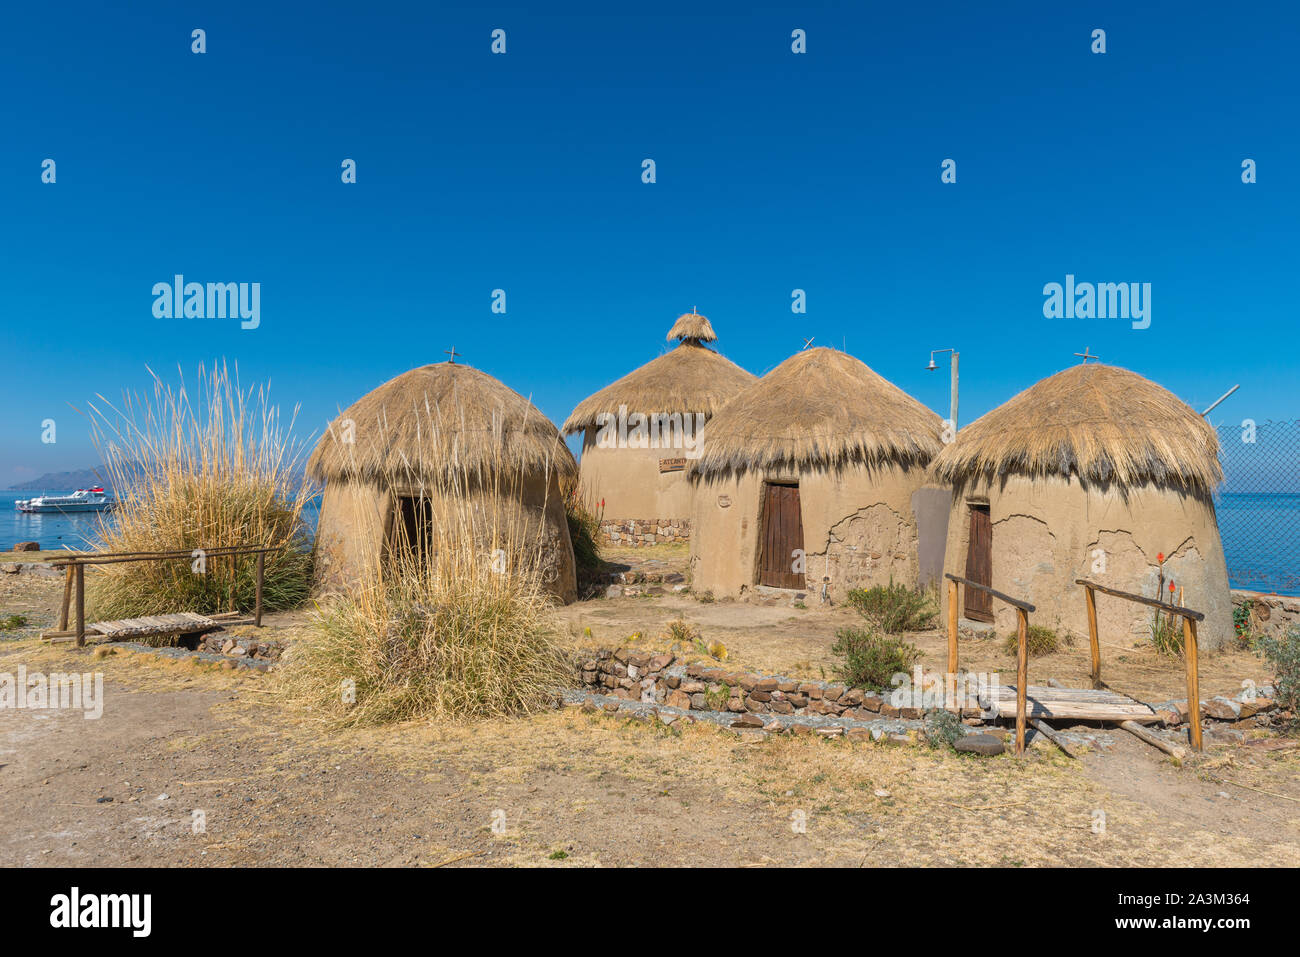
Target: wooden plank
<point x="1193" y="681"/>
<point x="1090" y="597"/>
<point x="979" y="563"/>
<point x="1022" y="676"/>
<point x="953" y="611"/>
<point x="68" y="575"/>
<point x="1177" y="753"/>
<point x="1143" y="600"/>
<point x="1042" y="728"/>
<point x="81" y="606"/>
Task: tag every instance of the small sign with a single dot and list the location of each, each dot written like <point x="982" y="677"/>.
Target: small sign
<point x="672" y="465"/>
<point x="724" y="501"/>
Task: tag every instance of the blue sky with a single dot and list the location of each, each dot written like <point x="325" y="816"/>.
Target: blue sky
<point x="775" y="171"/>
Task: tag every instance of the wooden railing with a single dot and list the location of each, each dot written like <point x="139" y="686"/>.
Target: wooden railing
<point x="1189" y="617"/>
<point x="76" y="563"/>
<point x="1023" y="608"/>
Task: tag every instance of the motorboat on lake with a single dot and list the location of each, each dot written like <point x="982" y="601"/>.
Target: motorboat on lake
<point x="82" y="500"/>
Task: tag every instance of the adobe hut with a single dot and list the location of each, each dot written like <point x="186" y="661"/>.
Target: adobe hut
<point x="442" y="449"/>
<point x="641" y="432"/>
<point x="1092" y="473"/>
<point x="820" y="458"/>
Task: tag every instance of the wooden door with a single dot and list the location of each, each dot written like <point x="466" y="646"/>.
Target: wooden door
<point x="781" y="536"/>
<point x="979" y="564"/>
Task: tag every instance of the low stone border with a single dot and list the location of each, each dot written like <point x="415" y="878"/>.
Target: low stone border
<point x="640" y="532"/>
<point x="178" y="655"/>
<point x="1269" y="614"/>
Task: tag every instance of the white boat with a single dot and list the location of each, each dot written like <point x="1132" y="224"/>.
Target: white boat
<point x="82" y="500"/>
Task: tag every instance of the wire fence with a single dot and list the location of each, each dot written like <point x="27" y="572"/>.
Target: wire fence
<point x="1258" y="505"/>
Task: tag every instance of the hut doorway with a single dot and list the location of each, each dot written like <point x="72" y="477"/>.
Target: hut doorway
<point x="781" y="535"/>
<point x="979" y="563"/>
<point x="412" y="527"/>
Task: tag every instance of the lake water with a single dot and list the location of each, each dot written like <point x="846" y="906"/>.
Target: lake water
<point x="77" y="530"/>
<point x="1261" y="535"/>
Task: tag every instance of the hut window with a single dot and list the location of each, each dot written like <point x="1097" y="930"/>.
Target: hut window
<point x="412" y="531"/>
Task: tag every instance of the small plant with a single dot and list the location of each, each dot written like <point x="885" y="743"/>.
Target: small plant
<point x="942" y="728"/>
<point x="895" y="608"/>
<point x="1283" y="654"/>
<point x="13" y="622"/>
<point x="557" y="856"/>
<point x="871" y="659"/>
<point x="1166" y="628"/>
<point x="1241" y="622"/>
<point x="705" y="597"/>
<point x="717" y="698"/>
<point x="1039" y="641"/>
<point x="681" y="631"/>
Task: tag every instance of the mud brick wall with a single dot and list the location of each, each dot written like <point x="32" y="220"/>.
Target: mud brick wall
<point x="1269" y="614"/>
<point x="639" y="532"/>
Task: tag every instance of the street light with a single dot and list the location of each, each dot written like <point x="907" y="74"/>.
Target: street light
<point x="932" y="366"/>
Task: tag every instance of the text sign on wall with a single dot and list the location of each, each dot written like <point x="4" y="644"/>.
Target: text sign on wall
<point x="672" y="465"/>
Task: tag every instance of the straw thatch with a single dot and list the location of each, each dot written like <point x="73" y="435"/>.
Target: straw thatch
<point x="690" y="378"/>
<point x="439" y="422"/>
<point x="819" y="409"/>
<point x="1099" y="423"/>
<point x="691" y="325"/>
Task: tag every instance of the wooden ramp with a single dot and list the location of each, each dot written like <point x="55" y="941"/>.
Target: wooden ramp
<point x="178" y="623"/>
<point x="1080" y="704"/>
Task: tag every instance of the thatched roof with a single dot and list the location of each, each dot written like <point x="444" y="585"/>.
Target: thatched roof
<point x="820" y="408"/>
<point x="440" y="421"/>
<point x="1100" y="423"/>
<point x="691" y="378"/>
<point x="691" y="325"/>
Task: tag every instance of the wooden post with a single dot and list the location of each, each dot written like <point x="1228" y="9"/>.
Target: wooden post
<point x="1091" y="597"/>
<point x="1022" y="676"/>
<point x="952" y="627"/>
<point x="261" y="574"/>
<point x="1193" y="680"/>
<point x="81" y="606"/>
<point x="69" y="574"/>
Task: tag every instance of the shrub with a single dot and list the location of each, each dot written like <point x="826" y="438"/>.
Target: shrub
<point x="1167" y="634"/>
<point x="681" y="631"/>
<point x="895" y="608"/>
<point x="943" y="728"/>
<point x="584" y="528"/>
<point x="13" y="622"/>
<point x="1283" y="654"/>
<point x="871" y="659"/>
<point x="210" y="471"/>
<point x="1039" y="641"/>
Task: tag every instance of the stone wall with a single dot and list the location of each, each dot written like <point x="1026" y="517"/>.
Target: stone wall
<point x="1269" y="614"/>
<point x="640" y="532"/>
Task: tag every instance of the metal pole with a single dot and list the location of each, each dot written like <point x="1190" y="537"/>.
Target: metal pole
<point x="954" y="391"/>
<point x="1216" y="402"/>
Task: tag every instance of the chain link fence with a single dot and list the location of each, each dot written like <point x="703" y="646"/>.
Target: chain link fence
<point x="1258" y="505"/>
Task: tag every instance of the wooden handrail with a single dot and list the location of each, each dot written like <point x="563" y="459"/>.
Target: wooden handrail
<point x="76" y="574"/>
<point x="1144" y="600"/>
<point x="1013" y="602"/>
<point x="1190" y="657"/>
<point x="1023" y="608"/>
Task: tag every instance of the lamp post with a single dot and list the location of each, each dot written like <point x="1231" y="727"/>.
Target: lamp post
<point x="932" y="366"/>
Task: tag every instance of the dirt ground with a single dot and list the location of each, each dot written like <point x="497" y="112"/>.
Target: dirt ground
<point x="569" y="788"/>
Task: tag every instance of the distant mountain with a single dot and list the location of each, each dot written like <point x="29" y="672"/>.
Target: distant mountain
<point x="66" y="481"/>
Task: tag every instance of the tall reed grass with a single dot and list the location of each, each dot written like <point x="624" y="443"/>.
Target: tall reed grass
<point x="455" y="622"/>
<point x="207" y="469"/>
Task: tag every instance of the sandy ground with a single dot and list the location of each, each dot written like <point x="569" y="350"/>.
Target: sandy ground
<point x="569" y="788"/>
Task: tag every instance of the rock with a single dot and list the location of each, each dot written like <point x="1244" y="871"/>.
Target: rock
<point x="830" y="732"/>
<point x="1249" y="708"/>
<point x="10" y="568"/>
<point x="860" y="735"/>
<point x="163" y="797"/>
<point x="699" y="702"/>
<point x="693" y="687"/>
<point x="871" y="702"/>
<point x="660" y="662"/>
<point x="765" y="686"/>
<point x="227" y="646"/>
<point x="103" y="800"/>
<point x="894" y="739"/>
<point x="679" y="699"/>
<point x="29" y="547"/>
<point x="735" y="704"/>
<point x="1222" y="709"/>
<point x="747" y="721"/>
<point x="984" y="744"/>
<point x="801" y="729"/>
<point x="238" y="652"/>
<point x="1169" y="716"/>
<point x="614" y="591"/>
<point x="610" y="706"/>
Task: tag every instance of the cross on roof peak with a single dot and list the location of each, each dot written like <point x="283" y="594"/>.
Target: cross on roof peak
<point x="452" y="354"/>
<point x="1085" y="355"/>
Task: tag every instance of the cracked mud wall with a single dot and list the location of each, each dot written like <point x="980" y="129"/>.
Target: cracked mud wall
<point x="858" y="528"/>
<point x="1049" y="532"/>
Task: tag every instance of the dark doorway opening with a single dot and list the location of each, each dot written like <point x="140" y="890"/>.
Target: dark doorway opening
<point x="412" y="530"/>
<point x="781" y="535"/>
<point x="979" y="563"/>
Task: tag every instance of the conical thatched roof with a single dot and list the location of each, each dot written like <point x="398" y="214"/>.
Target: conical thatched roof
<point x="691" y="325"/>
<point x="690" y="378"/>
<point x="1101" y="423"/>
<point x="440" y="421"/>
<point x="819" y="409"/>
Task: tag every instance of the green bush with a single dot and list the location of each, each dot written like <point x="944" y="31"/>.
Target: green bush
<point x="943" y="728"/>
<point x="895" y="608"/>
<point x="871" y="659"/>
<point x="1283" y="654"/>
<point x="1039" y="641"/>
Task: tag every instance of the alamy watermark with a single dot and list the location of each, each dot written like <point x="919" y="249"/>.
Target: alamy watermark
<point x="650" y="430"/>
<point x="35" y="691"/>
<point x="1103" y="300"/>
<point x="214" y="300"/>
